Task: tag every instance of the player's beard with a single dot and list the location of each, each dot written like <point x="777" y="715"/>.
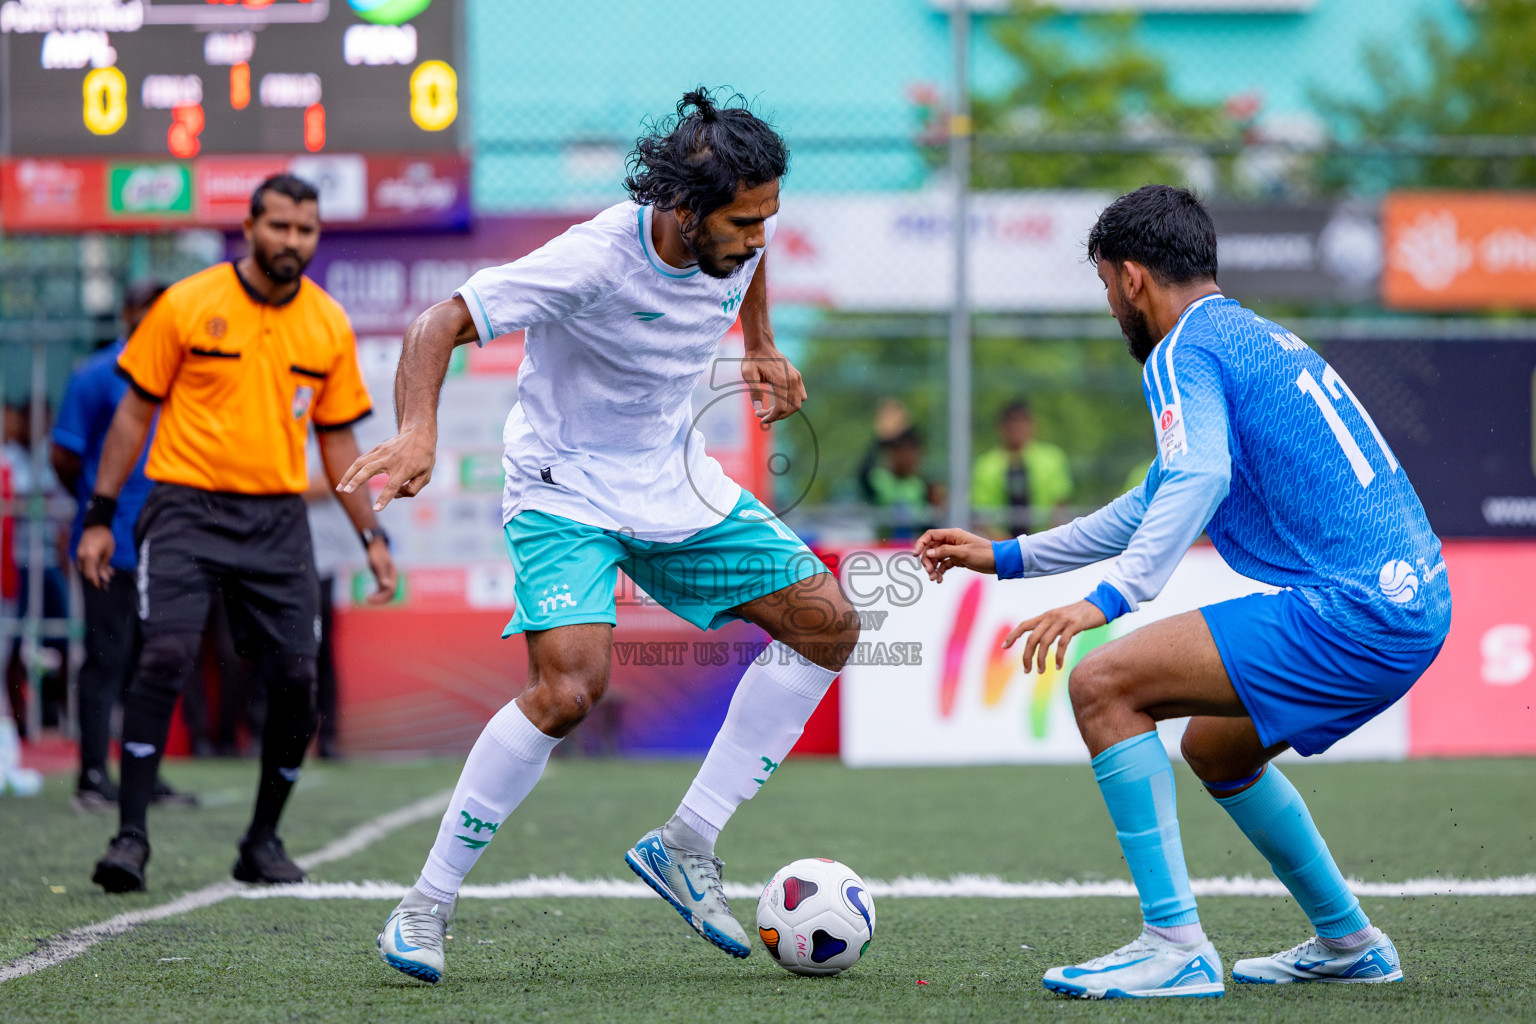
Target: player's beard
<point x="285" y="272"/>
<point x="708" y="255"/>
<point x="1138" y="333"/>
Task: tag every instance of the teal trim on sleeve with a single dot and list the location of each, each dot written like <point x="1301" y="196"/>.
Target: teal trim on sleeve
<point x="645" y="247"/>
<point x="483" y="322"/>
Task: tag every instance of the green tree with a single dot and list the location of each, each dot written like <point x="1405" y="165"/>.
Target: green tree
<point x="1110" y="88"/>
<point x="1479" y="82"/>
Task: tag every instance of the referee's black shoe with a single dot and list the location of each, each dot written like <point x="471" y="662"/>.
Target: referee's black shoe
<point x="263" y="859"/>
<point x="121" y="869"/>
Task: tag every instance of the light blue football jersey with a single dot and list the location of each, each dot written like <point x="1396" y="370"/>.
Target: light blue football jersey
<point x="1262" y="447"/>
<point x="1260" y="442"/>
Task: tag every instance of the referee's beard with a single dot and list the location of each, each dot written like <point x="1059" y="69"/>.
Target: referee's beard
<point x="283" y="266"/>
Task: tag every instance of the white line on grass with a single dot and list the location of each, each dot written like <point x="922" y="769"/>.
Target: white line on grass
<point x="71" y="944"/>
<point x="972" y="886"/>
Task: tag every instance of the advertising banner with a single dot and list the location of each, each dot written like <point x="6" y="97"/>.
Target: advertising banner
<point x="1298" y="252"/>
<point x="1459" y="417"/>
<point x="424" y="191"/>
<point x="1459" y="250"/>
<point x="895" y="251"/>
<point x="935" y="685"/>
<point x="1479" y="697"/>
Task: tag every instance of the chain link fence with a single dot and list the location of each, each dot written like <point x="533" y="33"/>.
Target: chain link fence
<point x="1293" y="119"/>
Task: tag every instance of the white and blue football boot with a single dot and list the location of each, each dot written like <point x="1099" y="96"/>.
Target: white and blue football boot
<point x="412" y="939"/>
<point x="691" y="883"/>
<point x="1148" y="968"/>
<point x="1315" y="960"/>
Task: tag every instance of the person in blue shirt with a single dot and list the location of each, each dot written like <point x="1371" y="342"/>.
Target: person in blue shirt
<point x="1266" y="450"/>
<point x="112" y="612"/>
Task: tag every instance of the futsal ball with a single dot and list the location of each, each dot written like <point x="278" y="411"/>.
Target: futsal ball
<point x="816" y="917"/>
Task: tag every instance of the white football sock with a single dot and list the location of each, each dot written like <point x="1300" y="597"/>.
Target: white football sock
<point x="1353" y="941"/>
<point x="1179" y="934"/>
<point x="501" y="770"/>
<point x="768" y="711"/>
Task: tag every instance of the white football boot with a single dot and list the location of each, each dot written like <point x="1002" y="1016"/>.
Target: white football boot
<point x="691" y="883"/>
<point x="412" y="939"/>
<point x="1148" y="968"/>
<point x="1314" y="960"/>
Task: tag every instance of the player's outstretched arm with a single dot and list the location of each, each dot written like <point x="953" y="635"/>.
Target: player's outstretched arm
<point x="406" y="459"/>
<point x="943" y="549"/>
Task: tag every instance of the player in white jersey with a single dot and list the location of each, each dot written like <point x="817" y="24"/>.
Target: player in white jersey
<point x="604" y="471"/>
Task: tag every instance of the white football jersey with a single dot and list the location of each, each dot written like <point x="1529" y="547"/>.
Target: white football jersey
<point x="616" y="341"/>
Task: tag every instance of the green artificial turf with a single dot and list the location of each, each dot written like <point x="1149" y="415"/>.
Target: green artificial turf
<point x="1467" y="959"/>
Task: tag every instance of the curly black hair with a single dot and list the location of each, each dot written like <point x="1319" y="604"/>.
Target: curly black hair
<point x="697" y="158"/>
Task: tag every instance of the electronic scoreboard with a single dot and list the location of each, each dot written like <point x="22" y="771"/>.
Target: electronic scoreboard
<point x="191" y="78"/>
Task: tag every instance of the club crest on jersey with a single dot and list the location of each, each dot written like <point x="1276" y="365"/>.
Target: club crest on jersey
<point x="730" y="302"/>
<point x="302" y="398"/>
<point x="1170" y="432"/>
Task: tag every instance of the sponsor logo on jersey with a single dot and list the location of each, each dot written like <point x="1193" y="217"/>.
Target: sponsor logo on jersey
<point x="302" y="397"/>
<point x="1170" y="432"/>
<point x="647" y="317"/>
<point x="1398" y="582"/>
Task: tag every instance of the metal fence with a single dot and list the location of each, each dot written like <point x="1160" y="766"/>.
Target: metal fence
<point x="948" y="120"/>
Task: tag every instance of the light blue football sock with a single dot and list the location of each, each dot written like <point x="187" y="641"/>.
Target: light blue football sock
<point x="1136" y="779"/>
<point x="1276" y="820"/>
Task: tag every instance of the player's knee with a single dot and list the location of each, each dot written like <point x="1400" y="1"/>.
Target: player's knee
<point x="166" y="661"/>
<point x="563" y="698"/>
<point x="1094" y="687"/>
<point x="295" y="679"/>
<point x="1199" y="759"/>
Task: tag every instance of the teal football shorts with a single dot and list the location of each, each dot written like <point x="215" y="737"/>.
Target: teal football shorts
<point x="566" y="571"/>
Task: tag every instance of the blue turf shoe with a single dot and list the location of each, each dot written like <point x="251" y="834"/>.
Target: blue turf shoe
<point x="1148" y="968"/>
<point x="412" y="939"/>
<point x="1314" y="960"/>
<point x="691" y="883"/>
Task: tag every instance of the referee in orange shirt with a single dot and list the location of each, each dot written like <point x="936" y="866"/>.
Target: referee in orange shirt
<point x="240" y="359"/>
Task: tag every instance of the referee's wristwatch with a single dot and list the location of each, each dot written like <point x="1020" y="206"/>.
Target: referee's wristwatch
<point x="372" y="533"/>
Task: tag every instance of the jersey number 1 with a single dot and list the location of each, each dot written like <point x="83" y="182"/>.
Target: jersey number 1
<point x="1337" y="389"/>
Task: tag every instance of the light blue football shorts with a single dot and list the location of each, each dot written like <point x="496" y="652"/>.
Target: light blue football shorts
<point x="566" y="571"/>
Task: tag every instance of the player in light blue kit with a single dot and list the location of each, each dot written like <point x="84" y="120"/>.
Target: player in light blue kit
<point x="1266" y="450"/>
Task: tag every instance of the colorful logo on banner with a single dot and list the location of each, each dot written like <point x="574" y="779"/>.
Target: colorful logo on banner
<point x="1005" y="665"/>
<point x="154" y="189"/>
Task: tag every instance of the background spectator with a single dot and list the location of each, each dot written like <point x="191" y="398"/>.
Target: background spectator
<point x="1019" y="486"/>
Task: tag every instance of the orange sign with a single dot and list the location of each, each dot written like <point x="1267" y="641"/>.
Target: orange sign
<point x="1459" y="250"/>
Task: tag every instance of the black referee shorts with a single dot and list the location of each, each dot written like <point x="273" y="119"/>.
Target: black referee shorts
<point x="256" y="547"/>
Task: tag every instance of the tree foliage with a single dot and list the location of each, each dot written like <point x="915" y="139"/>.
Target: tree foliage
<point x="1109" y="87"/>
<point x="1476" y="83"/>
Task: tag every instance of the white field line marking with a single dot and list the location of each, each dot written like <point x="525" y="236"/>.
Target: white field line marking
<point x="62" y="948"/>
<point x="973" y="886"/>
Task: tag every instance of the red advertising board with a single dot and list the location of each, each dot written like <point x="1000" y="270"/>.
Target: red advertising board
<point x="428" y="191"/>
<point x="224" y="185"/>
<point x="49" y="194"/>
<point x="1479" y="697"/>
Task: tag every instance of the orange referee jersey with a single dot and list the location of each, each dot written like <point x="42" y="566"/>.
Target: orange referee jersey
<point x="239" y="380"/>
